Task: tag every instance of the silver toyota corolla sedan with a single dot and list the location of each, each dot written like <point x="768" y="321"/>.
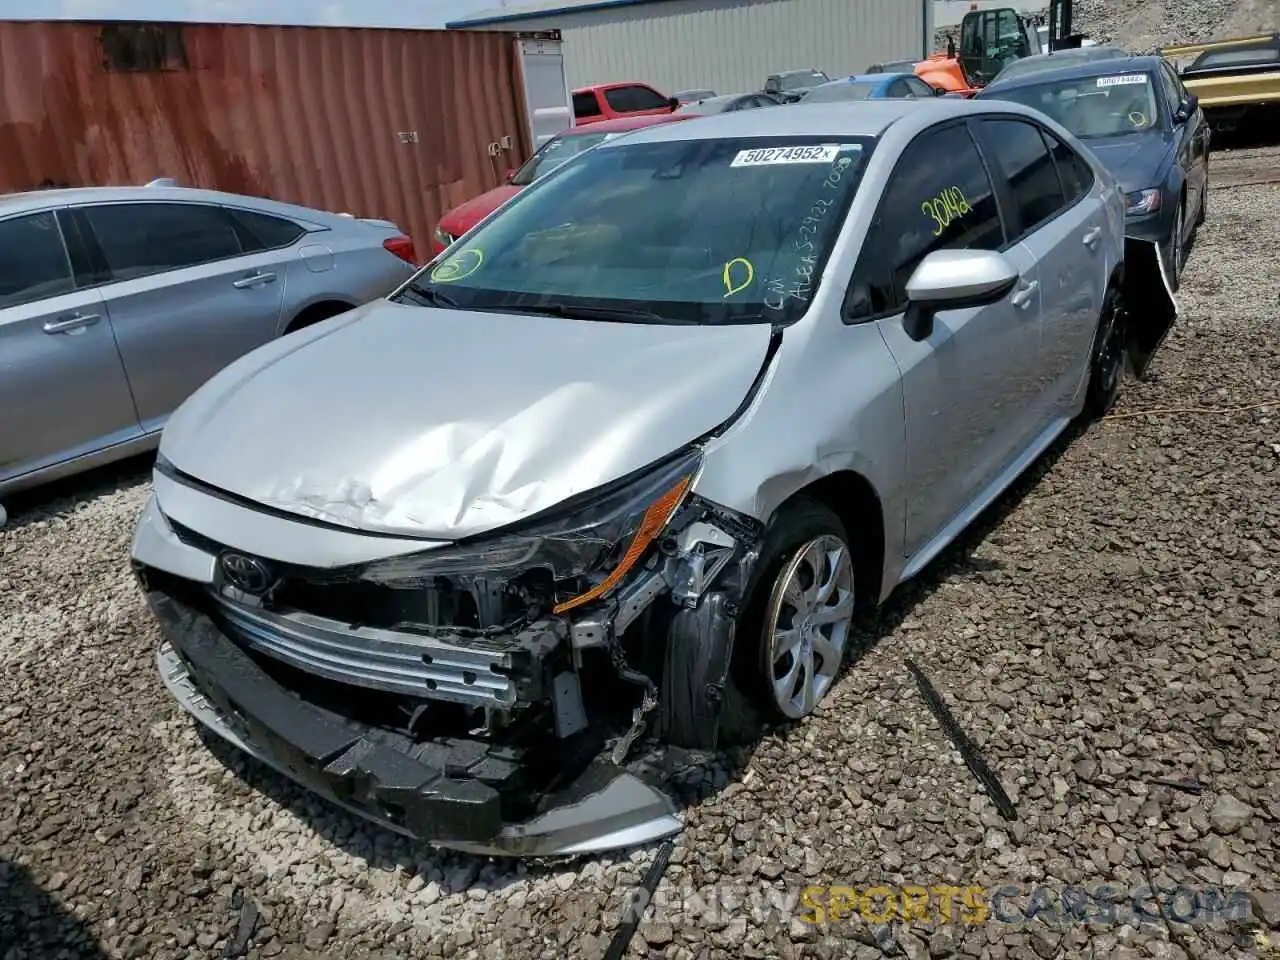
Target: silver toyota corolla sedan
<point x="610" y="478"/>
<point x="117" y="302"/>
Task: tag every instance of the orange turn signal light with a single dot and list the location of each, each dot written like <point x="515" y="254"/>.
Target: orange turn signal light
<point x="652" y="524"/>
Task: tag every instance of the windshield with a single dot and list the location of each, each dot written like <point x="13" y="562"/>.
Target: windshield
<point x="553" y="153"/>
<point x="695" y="231"/>
<point x="1093" y="106"/>
<point x="1236" y="58"/>
<point x="848" y="90"/>
<point x="795" y="81"/>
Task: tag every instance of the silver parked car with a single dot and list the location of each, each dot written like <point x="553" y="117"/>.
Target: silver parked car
<point x="117" y="302"/>
<point x="710" y="388"/>
<point x="727" y="103"/>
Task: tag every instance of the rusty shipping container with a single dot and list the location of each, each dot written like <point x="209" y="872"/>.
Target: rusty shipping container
<point x="396" y="124"/>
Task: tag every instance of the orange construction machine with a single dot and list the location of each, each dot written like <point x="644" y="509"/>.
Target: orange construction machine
<point x="988" y="40"/>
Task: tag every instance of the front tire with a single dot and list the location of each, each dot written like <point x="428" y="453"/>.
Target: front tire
<point x="1175" y="248"/>
<point x="796" y="625"/>
<point x="789" y="640"/>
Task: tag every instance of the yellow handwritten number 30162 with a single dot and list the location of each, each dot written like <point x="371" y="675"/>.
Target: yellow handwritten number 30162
<point x="946" y="207"/>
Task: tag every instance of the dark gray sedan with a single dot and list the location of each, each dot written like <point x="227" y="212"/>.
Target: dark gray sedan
<point x="1145" y="127"/>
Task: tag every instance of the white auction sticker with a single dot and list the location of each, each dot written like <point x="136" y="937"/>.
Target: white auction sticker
<point x="1122" y="79"/>
<point x="763" y="156"/>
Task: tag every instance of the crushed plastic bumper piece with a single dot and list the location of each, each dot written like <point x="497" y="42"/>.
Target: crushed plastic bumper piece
<point x="1149" y="302"/>
<point x="431" y="792"/>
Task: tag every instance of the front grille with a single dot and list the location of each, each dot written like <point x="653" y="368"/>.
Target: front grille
<point x="374" y="658"/>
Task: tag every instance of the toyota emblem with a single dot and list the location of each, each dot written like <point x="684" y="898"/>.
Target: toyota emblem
<point x="246" y="573"/>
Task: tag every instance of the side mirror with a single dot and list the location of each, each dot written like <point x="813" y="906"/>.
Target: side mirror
<point x="511" y="173"/>
<point x="939" y="92"/>
<point x="953" y="280"/>
<point x="1186" y="109"/>
<point x="673" y="103"/>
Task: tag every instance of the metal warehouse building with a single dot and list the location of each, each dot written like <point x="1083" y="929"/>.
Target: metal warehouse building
<point x="725" y="45"/>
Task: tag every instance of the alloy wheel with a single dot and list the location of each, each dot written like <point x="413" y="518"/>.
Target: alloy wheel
<point x="807" y="624"/>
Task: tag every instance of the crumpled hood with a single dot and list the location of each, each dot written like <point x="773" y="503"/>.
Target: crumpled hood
<point x="1137" y="161"/>
<point x="445" y="424"/>
<point x="466" y="215"/>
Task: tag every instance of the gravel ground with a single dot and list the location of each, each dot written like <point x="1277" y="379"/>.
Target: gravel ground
<point x="1113" y="621"/>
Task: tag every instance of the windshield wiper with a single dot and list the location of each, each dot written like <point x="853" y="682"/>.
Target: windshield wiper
<point x="622" y="314"/>
<point x="433" y="297"/>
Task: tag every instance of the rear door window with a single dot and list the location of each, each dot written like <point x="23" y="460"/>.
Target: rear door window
<point x="35" y="264"/>
<point x="140" y="239"/>
<point x="1073" y="170"/>
<point x="927" y="206"/>
<point x="268" y="232"/>
<point x="899" y="88"/>
<point x="1032" y="176"/>
<point x="586" y="105"/>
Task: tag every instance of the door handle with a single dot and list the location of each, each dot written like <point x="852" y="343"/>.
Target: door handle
<point x="76" y="321"/>
<point x="1091" y="238"/>
<point x="254" y="280"/>
<point x="1022" y="296"/>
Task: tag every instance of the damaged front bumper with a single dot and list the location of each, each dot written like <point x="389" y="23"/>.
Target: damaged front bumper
<point x="1149" y="301"/>
<point x="496" y="749"/>
<point x="438" y="794"/>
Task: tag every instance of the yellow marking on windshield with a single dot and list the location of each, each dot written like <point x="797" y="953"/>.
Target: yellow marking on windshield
<point x="459" y="266"/>
<point x="1138" y="118"/>
<point x="730" y="288"/>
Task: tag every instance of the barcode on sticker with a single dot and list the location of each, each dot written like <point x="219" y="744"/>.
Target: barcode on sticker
<point x="1122" y="80"/>
<point x="819" y="153"/>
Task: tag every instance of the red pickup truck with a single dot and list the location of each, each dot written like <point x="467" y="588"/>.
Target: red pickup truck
<point x="608" y="101"/>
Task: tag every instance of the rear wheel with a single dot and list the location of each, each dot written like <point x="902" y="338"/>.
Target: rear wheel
<point x="315" y="313"/>
<point x="1107" y="357"/>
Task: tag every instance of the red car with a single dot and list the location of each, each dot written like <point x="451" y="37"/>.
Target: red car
<point x="608" y="101"/>
<point x="563" y="146"/>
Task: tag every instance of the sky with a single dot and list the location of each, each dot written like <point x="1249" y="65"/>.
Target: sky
<point x="365" y="13"/>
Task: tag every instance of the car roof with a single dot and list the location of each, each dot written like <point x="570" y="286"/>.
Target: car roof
<point x="873" y="77"/>
<point x="76" y="196"/>
<point x="1080" y="70"/>
<point x="1039" y="62"/>
<point x="860" y="118"/>
<point x="723" y="98"/>
<point x="620" y="124"/>
<point x="593" y="87"/>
